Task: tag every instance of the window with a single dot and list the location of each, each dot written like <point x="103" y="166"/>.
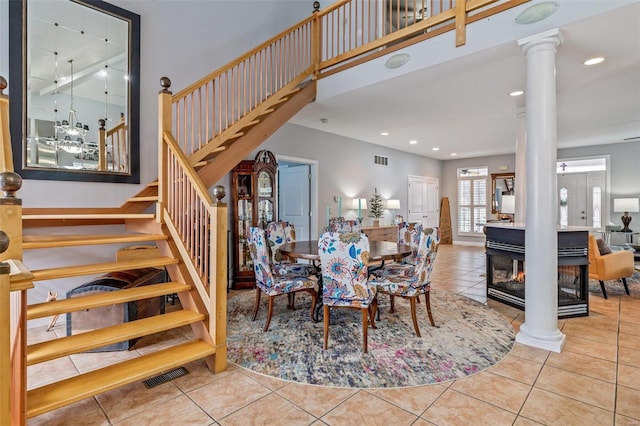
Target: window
<point x="472" y="199"/>
<point x="564" y="207"/>
<point x="597" y="206"/>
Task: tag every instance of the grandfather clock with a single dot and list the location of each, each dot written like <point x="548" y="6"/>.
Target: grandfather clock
<point x="253" y="202"/>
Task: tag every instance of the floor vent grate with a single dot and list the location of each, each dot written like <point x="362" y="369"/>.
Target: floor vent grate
<point x="165" y="377"/>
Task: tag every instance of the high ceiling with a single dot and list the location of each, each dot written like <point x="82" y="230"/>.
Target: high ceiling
<point x="457" y="99"/>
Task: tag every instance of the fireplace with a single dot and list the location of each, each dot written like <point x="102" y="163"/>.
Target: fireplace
<point x="506" y="279"/>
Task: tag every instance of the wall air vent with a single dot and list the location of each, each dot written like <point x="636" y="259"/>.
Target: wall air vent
<point x="381" y="160"/>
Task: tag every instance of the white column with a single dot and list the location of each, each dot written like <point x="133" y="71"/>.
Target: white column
<point x="540" y="328"/>
<point x="521" y="166"/>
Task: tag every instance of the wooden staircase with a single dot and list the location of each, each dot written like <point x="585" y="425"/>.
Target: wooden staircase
<point x="61" y="393"/>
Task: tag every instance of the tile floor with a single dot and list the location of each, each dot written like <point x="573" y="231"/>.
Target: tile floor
<point x="594" y="381"/>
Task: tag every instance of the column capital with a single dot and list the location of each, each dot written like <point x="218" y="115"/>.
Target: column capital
<point x="550" y="39"/>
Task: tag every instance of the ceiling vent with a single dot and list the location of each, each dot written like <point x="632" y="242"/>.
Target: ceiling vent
<point x="381" y="160"/>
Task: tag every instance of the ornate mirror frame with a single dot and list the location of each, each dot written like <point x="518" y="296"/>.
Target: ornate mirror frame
<point x="501" y="184"/>
<point x="19" y="33"/>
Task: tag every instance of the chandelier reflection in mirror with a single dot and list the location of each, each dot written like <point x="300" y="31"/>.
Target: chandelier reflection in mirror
<point x="77" y="115"/>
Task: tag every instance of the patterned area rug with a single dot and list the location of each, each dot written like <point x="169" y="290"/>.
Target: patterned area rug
<point x="471" y="337"/>
<point x="615" y="288"/>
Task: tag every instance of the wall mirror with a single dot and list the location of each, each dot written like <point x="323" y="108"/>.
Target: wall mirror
<point x="76" y="114"/>
<point x="501" y="184"/>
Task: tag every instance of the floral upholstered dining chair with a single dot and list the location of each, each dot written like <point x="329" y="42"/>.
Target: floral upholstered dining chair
<point x="275" y="285"/>
<point x="410" y="281"/>
<point x="340" y="224"/>
<point x="279" y="233"/>
<point x="343" y="262"/>
<point x="409" y="234"/>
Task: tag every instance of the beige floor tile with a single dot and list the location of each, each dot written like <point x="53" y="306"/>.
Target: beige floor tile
<point x="94" y="360"/>
<point x="582" y="364"/>
<point x="497" y="390"/>
<point x="317" y="400"/>
<point x="597" y="320"/>
<point x="629" y="376"/>
<point x="591" y="348"/>
<point x="629" y="356"/>
<point x="576" y="386"/>
<point x="454" y="408"/>
<point x="228" y="394"/>
<point x="40" y="334"/>
<point x="528" y="352"/>
<point x="630" y="328"/>
<point x="364" y="408"/>
<point x="628" y="402"/>
<point x="587" y="332"/>
<point x="414" y="400"/>
<point x="629" y="341"/>
<point x="49" y="372"/>
<point x="621" y="420"/>
<point x="269" y="382"/>
<point x="135" y="398"/>
<point x="180" y="410"/>
<point x="159" y="341"/>
<point x="200" y="375"/>
<point x="520" y="369"/>
<point x="523" y="421"/>
<point x="270" y="410"/>
<point x="85" y="412"/>
<point x="552" y="409"/>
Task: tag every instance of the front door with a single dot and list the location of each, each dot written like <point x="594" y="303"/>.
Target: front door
<point x="423" y="201"/>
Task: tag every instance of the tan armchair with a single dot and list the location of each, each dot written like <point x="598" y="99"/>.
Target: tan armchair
<point x="612" y="266"/>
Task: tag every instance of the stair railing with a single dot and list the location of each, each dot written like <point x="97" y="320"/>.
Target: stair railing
<point x="113" y="152"/>
<point x="198" y="227"/>
<point x="15" y="280"/>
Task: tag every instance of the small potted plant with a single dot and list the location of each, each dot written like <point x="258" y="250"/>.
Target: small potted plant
<point x="376" y="208"/>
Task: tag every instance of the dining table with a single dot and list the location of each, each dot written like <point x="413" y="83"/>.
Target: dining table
<point x="379" y="251"/>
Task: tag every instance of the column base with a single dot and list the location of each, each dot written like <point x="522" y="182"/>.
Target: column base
<point x="549" y="341"/>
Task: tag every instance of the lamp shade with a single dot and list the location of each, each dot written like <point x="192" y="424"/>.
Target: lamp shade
<point x="621" y="205"/>
<point x="362" y="205"/>
<point x="393" y="204"/>
<point x="508" y="204"/>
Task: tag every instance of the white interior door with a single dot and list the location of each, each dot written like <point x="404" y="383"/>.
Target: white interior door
<point x="294" y="198"/>
<point x="423" y="201"/>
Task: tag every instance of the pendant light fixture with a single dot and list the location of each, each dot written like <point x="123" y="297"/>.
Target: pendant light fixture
<point x="72" y="127"/>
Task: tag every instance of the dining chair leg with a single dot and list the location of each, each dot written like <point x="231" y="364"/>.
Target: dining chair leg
<point x="314" y="296"/>
<point x="257" y="305"/>
<point x="373" y="308"/>
<point x="326" y="326"/>
<point x="365" y="328"/>
<point x="393" y="304"/>
<point x="412" y="302"/>
<point x="428" y="302"/>
<point x="266" y="326"/>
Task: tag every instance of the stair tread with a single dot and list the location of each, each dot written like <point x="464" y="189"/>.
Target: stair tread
<point x="89" y="216"/>
<point x="98" y="268"/>
<point x="57" y="348"/>
<point x="55" y="395"/>
<point x="58" y="307"/>
<point x="67" y="240"/>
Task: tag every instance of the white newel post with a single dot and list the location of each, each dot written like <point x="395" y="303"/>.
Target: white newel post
<point x="521" y="166"/>
<point x="540" y="328"/>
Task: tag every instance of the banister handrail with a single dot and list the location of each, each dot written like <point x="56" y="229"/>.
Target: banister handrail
<point x="182" y="93"/>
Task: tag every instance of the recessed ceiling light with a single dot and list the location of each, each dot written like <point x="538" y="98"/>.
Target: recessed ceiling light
<point x="435" y="148"/>
<point x="594" y="61"/>
<point x="413" y="142"/>
<point x="516" y="93"/>
<point x="396" y="61"/>
<point x="537" y="12"/>
<point x="384" y="134"/>
<point x="453" y="154"/>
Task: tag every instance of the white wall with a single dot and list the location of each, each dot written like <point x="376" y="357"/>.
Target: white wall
<point x="183" y="40"/>
<point x="346" y="168"/>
